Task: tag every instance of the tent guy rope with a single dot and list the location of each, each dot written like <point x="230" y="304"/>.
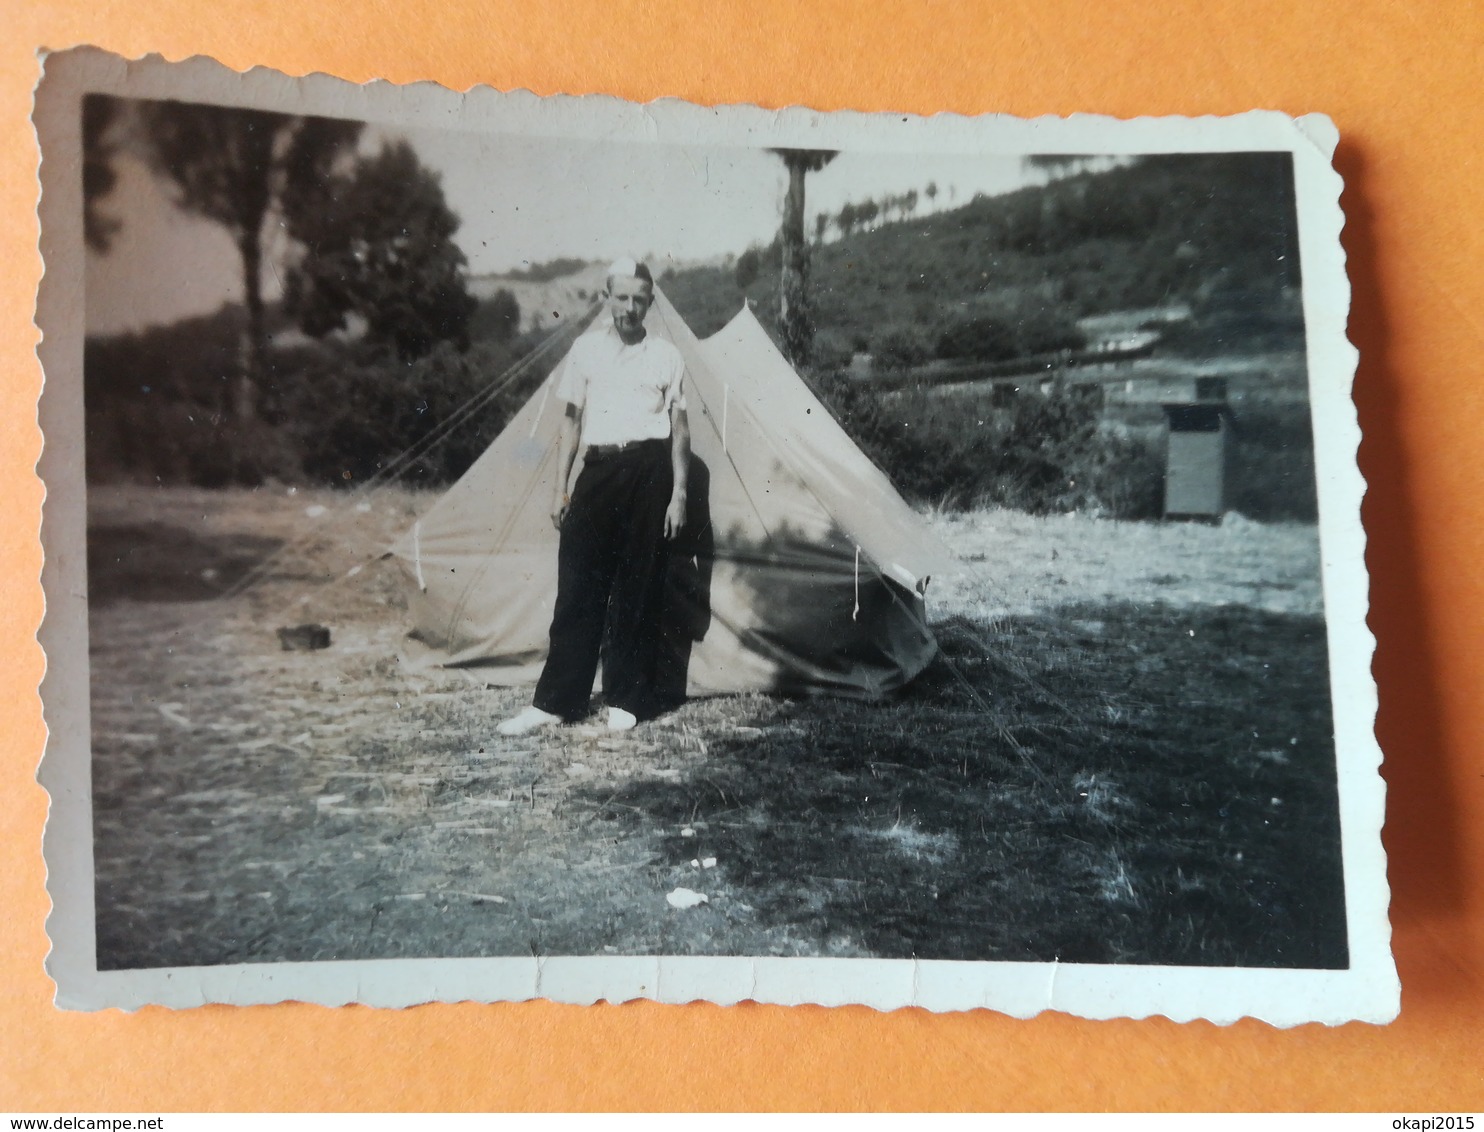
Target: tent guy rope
<point x="400" y="463"/>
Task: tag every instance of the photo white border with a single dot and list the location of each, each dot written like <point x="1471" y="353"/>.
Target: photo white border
<point x="1368" y="990"/>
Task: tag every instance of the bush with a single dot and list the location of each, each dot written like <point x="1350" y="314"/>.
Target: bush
<point x="886" y="438"/>
<point x="1042" y="453"/>
<point x="355" y="415"/>
<point x="900" y="347"/>
<point x="1238" y="320"/>
<point x="746" y="269"/>
<point x="982" y="336"/>
<point x="1271" y="473"/>
<point x="1001" y="334"/>
<point x="832" y="350"/>
<point x="333" y="412"/>
<point x="497" y="317"/>
<point x="1041" y="330"/>
<point x="155" y="403"/>
<point x="551" y="269"/>
<point x="1049" y="453"/>
<point x="1053" y="452"/>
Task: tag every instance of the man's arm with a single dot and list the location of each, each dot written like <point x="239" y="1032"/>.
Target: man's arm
<point x="680" y="466"/>
<point x="567" y="434"/>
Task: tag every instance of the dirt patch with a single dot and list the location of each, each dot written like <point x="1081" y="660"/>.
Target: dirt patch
<point x="1108" y="765"/>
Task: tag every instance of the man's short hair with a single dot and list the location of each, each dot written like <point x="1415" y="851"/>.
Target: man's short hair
<point x="629" y="269"/>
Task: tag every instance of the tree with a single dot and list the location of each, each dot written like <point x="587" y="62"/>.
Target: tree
<point x="1056" y="165"/>
<point x="821" y="226"/>
<point x="847" y="219"/>
<point x="504" y="315"/>
<point x="746" y="269"/>
<point x="234" y="166"/>
<point x="900" y="348"/>
<point x="868" y="210"/>
<point x="795" y="315"/>
<point x="378" y="244"/>
<point x="99" y="112"/>
<point x="932" y="193"/>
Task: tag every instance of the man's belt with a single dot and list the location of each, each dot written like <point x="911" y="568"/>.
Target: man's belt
<point x="604" y="451"/>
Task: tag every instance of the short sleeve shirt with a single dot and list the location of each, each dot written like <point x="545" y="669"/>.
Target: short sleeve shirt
<point x="625" y="392"/>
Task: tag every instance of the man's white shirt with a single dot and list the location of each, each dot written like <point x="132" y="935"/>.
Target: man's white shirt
<point x="625" y="392"/>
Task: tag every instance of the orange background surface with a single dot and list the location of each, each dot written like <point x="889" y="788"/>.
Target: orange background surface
<point x="1402" y="81"/>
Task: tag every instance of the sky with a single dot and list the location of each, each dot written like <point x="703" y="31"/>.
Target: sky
<point x="525" y="200"/>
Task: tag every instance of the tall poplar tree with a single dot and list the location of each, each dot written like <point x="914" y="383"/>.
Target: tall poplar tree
<point x="234" y="165"/>
<point x="796" y="312"/>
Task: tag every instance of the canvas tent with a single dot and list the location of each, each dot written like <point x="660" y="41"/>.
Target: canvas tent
<point x="800" y="568"/>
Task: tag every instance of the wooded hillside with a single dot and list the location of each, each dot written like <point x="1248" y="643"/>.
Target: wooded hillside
<point x="1216" y="231"/>
<point x="999" y="277"/>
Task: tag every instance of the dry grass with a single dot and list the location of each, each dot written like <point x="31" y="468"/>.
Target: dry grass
<point x="1124" y="757"/>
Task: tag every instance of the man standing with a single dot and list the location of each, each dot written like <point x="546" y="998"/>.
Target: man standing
<point x="625" y="410"/>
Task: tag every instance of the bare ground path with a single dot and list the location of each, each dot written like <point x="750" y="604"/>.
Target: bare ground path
<point x="1128" y="758"/>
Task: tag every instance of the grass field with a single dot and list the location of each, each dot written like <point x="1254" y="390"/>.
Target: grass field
<point x="1124" y="755"/>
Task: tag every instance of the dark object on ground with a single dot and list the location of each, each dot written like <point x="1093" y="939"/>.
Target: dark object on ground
<point x="304" y="637"/>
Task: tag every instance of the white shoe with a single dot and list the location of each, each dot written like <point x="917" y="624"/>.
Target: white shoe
<point x="529" y="719"/>
<point x="620" y="720"/>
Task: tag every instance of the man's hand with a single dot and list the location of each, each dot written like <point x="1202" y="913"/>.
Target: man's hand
<point x="559" y="508"/>
<point x="674" y="516"/>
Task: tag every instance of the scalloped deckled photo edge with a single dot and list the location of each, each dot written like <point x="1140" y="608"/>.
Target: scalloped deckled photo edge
<point x="241" y="816"/>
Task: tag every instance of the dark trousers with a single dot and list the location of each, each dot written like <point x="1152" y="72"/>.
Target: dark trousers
<point x="610" y="583"/>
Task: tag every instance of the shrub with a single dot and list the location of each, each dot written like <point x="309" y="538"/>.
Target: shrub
<point x="1236" y="320"/>
<point x="746" y="269"/>
<point x="1271" y="473"/>
<point x="984" y="336"/>
<point x="551" y="269"/>
<point x="1049" y="453"/>
<point x="1041" y="330"/>
<point x="832" y="350"/>
<point x="1042" y="453"/>
<point x="354" y="415"/>
<point x="1008" y="332"/>
<point x="498" y="317"/>
<point x="887" y="438"/>
<point x="334" y="412"/>
<point x="900" y="347"/>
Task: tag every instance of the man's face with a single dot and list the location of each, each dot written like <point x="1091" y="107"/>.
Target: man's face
<point x="628" y="302"/>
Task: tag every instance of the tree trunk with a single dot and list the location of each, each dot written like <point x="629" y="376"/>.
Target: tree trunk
<point x="253" y="345"/>
<point x="796" y="320"/>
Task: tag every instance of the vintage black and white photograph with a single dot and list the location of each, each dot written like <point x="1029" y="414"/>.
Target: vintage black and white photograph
<point x="595" y="532"/>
